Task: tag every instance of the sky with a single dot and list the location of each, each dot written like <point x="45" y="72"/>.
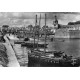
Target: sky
<point x="26" y="18"/>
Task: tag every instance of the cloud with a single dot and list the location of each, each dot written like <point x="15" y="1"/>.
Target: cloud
<point x="12" y="18"/>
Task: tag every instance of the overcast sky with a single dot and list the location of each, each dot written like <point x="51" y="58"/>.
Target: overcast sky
<point x="19" y="18"/>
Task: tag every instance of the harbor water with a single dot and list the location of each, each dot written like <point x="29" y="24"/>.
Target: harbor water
<point x="69" y="46"/>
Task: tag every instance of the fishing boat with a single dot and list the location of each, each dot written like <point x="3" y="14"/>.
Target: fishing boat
<point x="31" y="45"/>
<point x="52" y="59"/>
<point x="22" y="41"/>
<point x="39" y="56"/>
<point x="19" y="42"/>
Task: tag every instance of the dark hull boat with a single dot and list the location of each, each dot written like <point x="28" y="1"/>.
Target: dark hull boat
<point x="41" y="58"/>
<point x="21" y="41"/>
<point x="31" y="45"/>
<point x="56" y="62"/>
<point x="52" y="59"/>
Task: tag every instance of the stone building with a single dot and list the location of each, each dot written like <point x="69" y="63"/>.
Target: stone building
<point x="5" y="29"/>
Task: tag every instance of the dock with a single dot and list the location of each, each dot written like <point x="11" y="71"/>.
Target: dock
<point x="21" y="53"/>
<point x="13" y="62"/>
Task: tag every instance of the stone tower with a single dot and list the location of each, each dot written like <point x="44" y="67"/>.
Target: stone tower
<point x="55" y="22"/>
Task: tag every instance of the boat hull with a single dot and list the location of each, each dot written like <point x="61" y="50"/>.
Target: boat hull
<point x="31" y="45"/>
<point x="45" y="61"/>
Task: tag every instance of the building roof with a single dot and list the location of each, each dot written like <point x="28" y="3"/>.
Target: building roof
<point x="69" y="26"/>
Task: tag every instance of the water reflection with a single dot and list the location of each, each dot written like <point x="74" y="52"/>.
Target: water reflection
<point x="69" y="46"/>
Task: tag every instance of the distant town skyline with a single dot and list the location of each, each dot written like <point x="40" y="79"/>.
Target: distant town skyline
<point x="18" y="18"/>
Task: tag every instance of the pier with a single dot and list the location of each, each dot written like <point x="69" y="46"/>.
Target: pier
<point x="21" y="53"/>
<point x="13" y="62"/>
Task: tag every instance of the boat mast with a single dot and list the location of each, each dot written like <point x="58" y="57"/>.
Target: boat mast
<point x="40" y="20"/>
<point x="36" y="21"/>
<point x="34" y="30"/>
<point x="45" y="34"/>
<point x="38" y="30"/>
